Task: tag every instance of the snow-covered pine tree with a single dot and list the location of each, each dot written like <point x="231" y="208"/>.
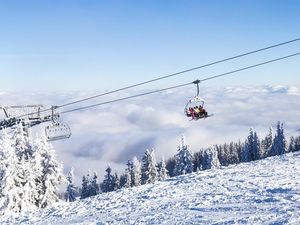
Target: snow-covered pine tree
<point x="71" y="192"/>
<point x="233" y="153"/>
<point x="84" y="188"/>
<point x="251" y="150"/>
<point x="291" y="144"/>
<point x="297" y="144"/>
<point x="184" y="158"/>
<point x="11" y="188"/>
<point x="117" y="184"/>
<point x="267" y="143"/>
<point x="25" y="169"/>
<point x="294" y="145"/>
<point x="170" y="165"/>
<point x="94" y="186"/>
<point x="223" y="153"/>
<point x="136" y="171"/>
<point x="210" y="159"/>
<point x="149" y="171"/>
<point x="257" y="149"/>
<point x="127" y="179"/>
<point x="51" y="175"/>
<point x="123" y="180"/>
<point x="162" y="170"/>
<point x="279" y="143"/>
<point x="239" y="146"/>
<point x="196" y="161"/>
<point x="108" y="184"/>
<point x="21" y="143"/>
<point x="130" y="172"/>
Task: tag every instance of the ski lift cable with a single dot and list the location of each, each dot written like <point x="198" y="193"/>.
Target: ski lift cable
<point x="249" y="67"/>
<point x="181" y="72"/>
<point x="126" y="98"/>
<point x="167" y="76"/>
<point x="182" y="85"/>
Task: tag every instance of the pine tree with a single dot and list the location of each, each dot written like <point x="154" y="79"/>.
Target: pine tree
<point x="10" y="183"/>
<point x="233" y="153"/>
<point x="116" y="184"/>
<point x="21" y="143"/>
<point x="24" y="167"/>
<point x="251" y="150"/>
<point x="210" y="159"/>
<point x="239" y="148"/>
<point x="162" y="170"/>
<point x="71" y="192"/>
<point x="123" y="180"/>
<point x="84" y="188"/>
<point x="94" y="188"/>
<point x="256" y="150"/>
<point x="184" y="159"/>
<point x="108" y="183"/>
<point x="51" y="175"/>
<point x="267" y="143"/>
<point x="149" y="171"/>
<point x="291" y="145"/>
<point x="130" y="172"/>
<point x="136" y="172"/>
<point x="170" y="165"/>
<point x="279" y="144"/>
<point x="127" y="179"/>
<point x="297" y="144"/>
<point x="223" y="153"/>
<point x="197" y="161"/>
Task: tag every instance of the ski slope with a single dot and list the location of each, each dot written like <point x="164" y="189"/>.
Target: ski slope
<point x="262" y="192"/>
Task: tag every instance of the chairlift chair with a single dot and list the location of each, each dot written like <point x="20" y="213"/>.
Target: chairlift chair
<point x="195" y="106"/>
<point x="57" y="130"/>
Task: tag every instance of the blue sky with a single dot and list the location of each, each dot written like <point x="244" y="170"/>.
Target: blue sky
<point x="63" y="45"/>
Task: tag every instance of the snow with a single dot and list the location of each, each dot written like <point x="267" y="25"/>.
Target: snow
<point x="261" y="192"/>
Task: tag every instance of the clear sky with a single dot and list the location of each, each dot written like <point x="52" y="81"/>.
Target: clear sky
<point x="61" y="45"/>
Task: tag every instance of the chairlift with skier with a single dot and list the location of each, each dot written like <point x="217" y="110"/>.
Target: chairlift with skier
<point x="195" y="106"/>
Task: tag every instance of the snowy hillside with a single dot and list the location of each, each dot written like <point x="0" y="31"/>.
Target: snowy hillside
<point x="262" y="192"/>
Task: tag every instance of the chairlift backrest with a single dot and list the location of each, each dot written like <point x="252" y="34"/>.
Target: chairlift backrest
<point x="57" y="131"/>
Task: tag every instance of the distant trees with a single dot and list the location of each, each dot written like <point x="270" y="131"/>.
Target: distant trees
<point x="149" y="171"/>
<point x="90" y="185"/>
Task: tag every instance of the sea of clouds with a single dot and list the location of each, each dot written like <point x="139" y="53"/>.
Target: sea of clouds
<point x="111" y="134"/>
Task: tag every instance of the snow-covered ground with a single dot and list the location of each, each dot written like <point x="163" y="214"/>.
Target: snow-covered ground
<point x="262" y="192"/>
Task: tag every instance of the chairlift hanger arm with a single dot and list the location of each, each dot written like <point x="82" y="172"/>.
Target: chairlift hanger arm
<point x="197" y="82"/>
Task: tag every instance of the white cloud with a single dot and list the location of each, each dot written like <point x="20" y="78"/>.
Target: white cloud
<point x="116" y="132"/>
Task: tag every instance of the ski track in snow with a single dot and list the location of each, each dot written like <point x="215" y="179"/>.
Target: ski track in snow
<point x="262" y="192"/>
